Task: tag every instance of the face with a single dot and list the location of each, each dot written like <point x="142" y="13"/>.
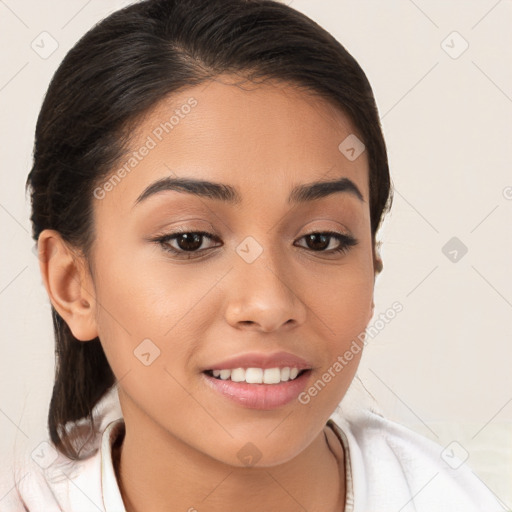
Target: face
<point x="252" y="276"/>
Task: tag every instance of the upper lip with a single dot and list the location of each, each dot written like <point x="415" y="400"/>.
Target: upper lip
<point x="264" y="361"/>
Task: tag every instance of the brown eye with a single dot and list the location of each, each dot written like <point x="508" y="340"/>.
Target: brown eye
<point x="182" y="242"/>
<point x="320" y="241"/>
<point x="189" y="241"/>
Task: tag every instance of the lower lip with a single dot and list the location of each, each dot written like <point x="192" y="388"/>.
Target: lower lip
<point x="260" y="396"/>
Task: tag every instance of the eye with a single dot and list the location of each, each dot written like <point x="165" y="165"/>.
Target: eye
<point x="318" y="241"/>
<point x="191" y="242"/>
<point x="186" y="241"/>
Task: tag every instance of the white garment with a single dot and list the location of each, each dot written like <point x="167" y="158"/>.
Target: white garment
<point x="388" y="467"/>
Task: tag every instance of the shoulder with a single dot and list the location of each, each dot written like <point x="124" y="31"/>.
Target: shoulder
<point x="46" y="479"/>
<point x="393" y="467"/>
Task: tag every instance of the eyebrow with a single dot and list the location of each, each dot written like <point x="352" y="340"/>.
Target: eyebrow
<point x="231" y="195"/>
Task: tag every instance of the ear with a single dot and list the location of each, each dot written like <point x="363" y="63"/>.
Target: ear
<point x="370" y="312"/>
<point x="377" y="266"/>
<point x="377" y="260"/>
<point x="68" y="283"/>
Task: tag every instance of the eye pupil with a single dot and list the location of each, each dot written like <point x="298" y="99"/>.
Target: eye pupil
<point x="314" y="237"/>
<point x="192" y="241"/>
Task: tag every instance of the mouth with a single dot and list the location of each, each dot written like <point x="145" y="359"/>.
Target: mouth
<point x="257" y="380"/>
<point x="268" y="376"/>
<point x="258" y="388"/>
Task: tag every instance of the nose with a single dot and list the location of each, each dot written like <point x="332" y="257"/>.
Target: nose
<point x="265" y="295"/>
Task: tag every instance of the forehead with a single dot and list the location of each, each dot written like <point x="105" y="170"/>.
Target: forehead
<point x="259" y="138"/>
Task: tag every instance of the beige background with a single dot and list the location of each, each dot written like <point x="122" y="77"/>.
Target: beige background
<point x="443" y="365"/>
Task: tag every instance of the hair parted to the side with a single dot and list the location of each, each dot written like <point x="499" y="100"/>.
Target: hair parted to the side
<point x="122" y="68"/>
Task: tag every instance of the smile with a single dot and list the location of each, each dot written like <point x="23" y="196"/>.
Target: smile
<point x="257" y="375"/>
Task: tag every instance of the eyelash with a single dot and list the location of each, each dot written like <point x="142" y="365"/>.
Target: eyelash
<point x="346" y="242"/>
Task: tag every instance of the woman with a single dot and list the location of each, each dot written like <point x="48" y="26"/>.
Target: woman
<point x="208" y="181"/>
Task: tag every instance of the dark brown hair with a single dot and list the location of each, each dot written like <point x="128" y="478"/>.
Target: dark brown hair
<point x="116" y="73"/>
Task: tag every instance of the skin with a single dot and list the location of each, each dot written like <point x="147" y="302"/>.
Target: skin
<point x="182" y="438"/>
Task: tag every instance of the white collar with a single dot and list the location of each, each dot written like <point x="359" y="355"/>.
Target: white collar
<point x="111" y="495"/>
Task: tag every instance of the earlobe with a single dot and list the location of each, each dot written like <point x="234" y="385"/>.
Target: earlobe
<point x="377" y="261"/>
<point x="68" y="284"/>
<point x="370" y="313"/>
<point x="378" y="266"/>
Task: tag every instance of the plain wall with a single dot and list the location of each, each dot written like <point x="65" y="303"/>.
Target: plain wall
<point x="442" y="366"/>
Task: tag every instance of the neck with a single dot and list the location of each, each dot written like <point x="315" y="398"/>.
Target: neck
<point x="312" y="481"/>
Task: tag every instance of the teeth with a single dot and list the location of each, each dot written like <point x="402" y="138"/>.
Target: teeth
<point x="254" y="376"/>
<point x="225" y="374"/>
<point x="238" y="375"/>
<point x="272" y="376"/>
<point x="258" y="375"/>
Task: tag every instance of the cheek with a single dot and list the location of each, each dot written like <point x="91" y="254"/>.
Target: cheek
<point x="341" y="298"/>
<point x="142" y="296"/>
<point x="146" y="334"/>
<point x="344" y="309"/>
<point x="151" y="315"/>
<point x="341" y="306"/>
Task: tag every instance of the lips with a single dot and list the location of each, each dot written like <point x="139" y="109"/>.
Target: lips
<point x="259" y="381"/>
